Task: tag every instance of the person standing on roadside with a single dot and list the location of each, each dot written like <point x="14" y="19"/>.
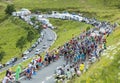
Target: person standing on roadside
<point x="18" y="71"/>
<point x="82" y="66"/>
<point x="6" y="80"/>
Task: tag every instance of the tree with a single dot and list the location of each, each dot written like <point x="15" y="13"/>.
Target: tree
<point x="30" y="36"/>
<point x="21" y="43"/>
<point x="10" y="8"/>
<point x="33" y="19"/>
<point x="2" y="54"/>
<point x="88" y="28"/>
<point x="39" y="26"/>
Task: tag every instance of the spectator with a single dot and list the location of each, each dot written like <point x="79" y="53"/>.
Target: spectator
<point x="49" y="59"/>
<point x="82" y="67"/>
<point x="72" y="70"/>
<point x="7" y="80"/>
<point x="18" y="71"/>
<point x="28" y="72"/>
<point x="68" y="74"/>
<point x="46" y="60"/>
<point x="8" y="72"/>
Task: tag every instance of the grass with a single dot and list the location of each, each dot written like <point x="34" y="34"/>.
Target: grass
<point x="9" y="34"/>
<point x="8" y="38"/>
<point x="2" y="14"/>
<point x="88" y="8"/>
<point x="107" y="11"/>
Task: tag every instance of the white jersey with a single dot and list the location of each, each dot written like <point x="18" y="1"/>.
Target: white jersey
<point x="5" y="80"/>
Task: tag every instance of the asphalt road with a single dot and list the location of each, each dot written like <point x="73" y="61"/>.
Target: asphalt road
<point x="46" y="74"/>
<point x="47" y="33"/>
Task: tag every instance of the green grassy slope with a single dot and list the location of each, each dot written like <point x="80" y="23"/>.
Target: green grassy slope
<point x="2" y="14"/>
<point x="8" y="37"/>
<point x="101" y="9"/>
<point x="9" y="34"/>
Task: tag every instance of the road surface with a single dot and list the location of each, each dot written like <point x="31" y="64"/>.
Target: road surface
<point x="45" y="75"/>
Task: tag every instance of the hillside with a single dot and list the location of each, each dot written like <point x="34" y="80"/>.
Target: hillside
<point x="104" y="10"/>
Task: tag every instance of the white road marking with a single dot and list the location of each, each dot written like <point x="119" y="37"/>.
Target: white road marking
<point x="49" y="77"/>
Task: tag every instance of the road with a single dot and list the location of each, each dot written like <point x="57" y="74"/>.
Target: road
<point x="45" y="75"/>
<point x="48" y="33"/>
